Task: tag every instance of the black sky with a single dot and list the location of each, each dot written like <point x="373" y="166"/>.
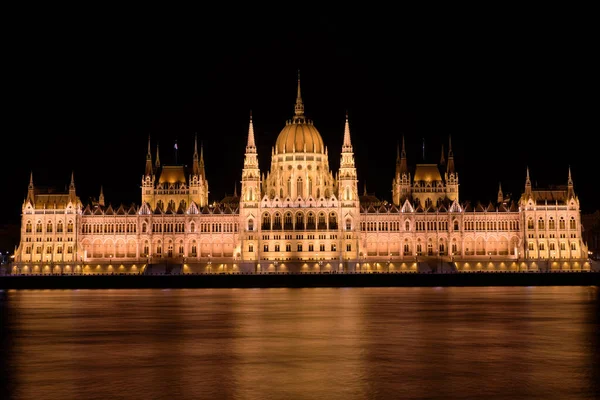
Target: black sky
<point x="512" y="89"/>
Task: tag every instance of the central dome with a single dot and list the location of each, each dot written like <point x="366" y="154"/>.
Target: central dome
<point x="299" y="134"/>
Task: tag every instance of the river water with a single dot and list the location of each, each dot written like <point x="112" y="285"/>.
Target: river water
<point x="319" y="343"/>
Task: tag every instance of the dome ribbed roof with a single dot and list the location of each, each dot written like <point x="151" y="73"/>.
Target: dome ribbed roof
<point x="299" y="133"/>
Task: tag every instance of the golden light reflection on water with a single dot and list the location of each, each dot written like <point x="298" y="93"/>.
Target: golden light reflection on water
<point x="355" y="343"/>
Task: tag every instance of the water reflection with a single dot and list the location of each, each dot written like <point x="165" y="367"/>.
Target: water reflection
<point x="355" y="343"/>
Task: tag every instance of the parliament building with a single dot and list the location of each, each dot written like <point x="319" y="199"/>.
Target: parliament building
<point x="299" y="216"/>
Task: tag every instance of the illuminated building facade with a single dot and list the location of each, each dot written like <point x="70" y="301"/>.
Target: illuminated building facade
<point x="300" y="217"/>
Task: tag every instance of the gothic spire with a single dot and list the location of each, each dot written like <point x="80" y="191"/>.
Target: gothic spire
<point x="251" y="145"/>
<point x="347" y="146"/>
<point x="30" y="188"/>
<point x="101" y="197"/>
<point x="442" y="159"/>
<point x="195" y="163"/>
<point x="528" y="184"/>
<point x="157" y="162"/>
<point x="500" y="194"/>
<point x="148" y="170"/>
<point x="450" y="166"/>
<point x="401" y="163"/>
<point x="570" y="189"/>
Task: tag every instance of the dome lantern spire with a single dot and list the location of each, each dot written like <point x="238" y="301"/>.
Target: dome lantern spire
<point x="299" y="107"/>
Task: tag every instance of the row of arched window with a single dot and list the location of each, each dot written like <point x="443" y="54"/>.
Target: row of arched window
<point x="541" y="223"/>
<point x="49" y="227"/>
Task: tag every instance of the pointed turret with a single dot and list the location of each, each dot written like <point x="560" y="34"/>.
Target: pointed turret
<point x="570" y="187"/>
<point x="347" y="178"/>
<point x="72" y="195"/>
<point x="251" y="175"/>
<point x="31" y="189"/>
<point x="101" y="197"/>
<point x="201" y="163"/>
<point x="148" y="169"/>
<point x="527" y="185"/>
<point x="157" y="162"/>
<point x="450" y="167"/>
<point x="196" y="161"/>
<point x="251" y="145"/>
<point x="401" y="163"/>
<point x="442" y="159"/>
<point x="500" y="194"/>
<point x="347" y="145"/>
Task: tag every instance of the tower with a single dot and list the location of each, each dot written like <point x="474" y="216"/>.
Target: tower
<point x="401" y="182"/>
<point x="251" y="184"/>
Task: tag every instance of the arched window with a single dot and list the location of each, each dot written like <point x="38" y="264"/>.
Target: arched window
<point x="322" y="224"/>
<point x="407" y="226"/>
<point x="551" y="223"/>
<point x="28" y="227"/>
<point x="289" y="186"/>
<point x="561" y="223"/>
<point x="277" y="221"/>
<point x="38" y="227"/>
<point x="70" y="227"/>
<point x="299" y="221"/>
<point x="266" y="221"/>
<point x="541" y="224"/>
<point x="530" y="223"/>
<point x="144" y="227"/>
<point x="347" y="193"/>
<point x="59" y="227"/>
<point x="310" y="223"/>
<point x="287" y="221"/>
<point x="348" y="224"/>
<point x="172" y="205"/>
<point x="310" y="187"/>
<point x="192" y="227"/>
<point x="299" y="188"/>
<point x="572" y="224"/>
<point x="455" y="225"/>
<point x="49" y="227"/>
<point x="332" y="221"/>
<point x="250" y="224"/>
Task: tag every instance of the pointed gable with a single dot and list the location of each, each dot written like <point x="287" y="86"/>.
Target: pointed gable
<point x="121" y="210"/>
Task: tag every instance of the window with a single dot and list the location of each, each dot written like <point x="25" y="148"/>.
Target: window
<point x="311" y="247"/>
<point x="276" y="247"/>
<point x="251" y="248"/>
<point x="572" y="224"/>
<point x="455" y="225"/>
<point x="333" y="247"/>
<point x="28" y="227"/>
<point x="561" y="223"/>
<point x="299" y="246"/>
<point x="288" y="247"/>
<point x="250" y="224"/>
<point x="266" y="248"/>
<point x="49" y="227"/>
<point x="321" y="247"/>
<point x="530" y="223"/>
<point x="348" y="247"/>
<point x="407" y="226"/>
<point x="348" y="224"/>
<point x="541" y="224"/>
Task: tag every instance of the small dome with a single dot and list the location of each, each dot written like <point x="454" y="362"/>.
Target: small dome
<point x="299" y="133"/>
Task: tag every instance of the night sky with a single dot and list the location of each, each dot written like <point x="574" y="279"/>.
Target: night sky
<point x="512" y="92"/>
